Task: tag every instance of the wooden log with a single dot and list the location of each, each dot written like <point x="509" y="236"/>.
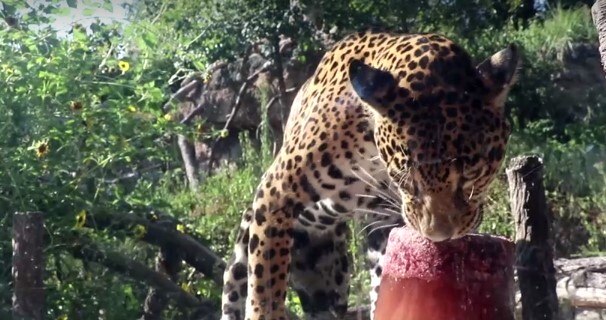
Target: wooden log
<point x="581" y="296"/>
<point x="565" y="267"/>
<point x="28" y="265"/>
<point x="534" y="255"/>
<point x="583" y="289"/>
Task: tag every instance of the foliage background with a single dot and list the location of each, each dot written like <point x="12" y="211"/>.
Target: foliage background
<point x="84" y="130"/>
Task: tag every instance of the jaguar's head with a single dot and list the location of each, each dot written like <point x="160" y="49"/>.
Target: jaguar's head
<point x="440" y="128"/>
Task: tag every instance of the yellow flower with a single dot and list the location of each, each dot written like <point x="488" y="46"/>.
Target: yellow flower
<point x="180" y="228"/>
<point x="124" y="66"/>
<point x="75" y="105"/>
<point x="42" y="148"/>
<point x="132" y="108"/>
<point x="168" y="117"/>
<point x="139" y="231"/>
<point x="207" y="78"/>
<point x="224" y="133"/>
<point x="81" y="219"/>
<point x="62" y="317"/>
<point x="186" y="287"/>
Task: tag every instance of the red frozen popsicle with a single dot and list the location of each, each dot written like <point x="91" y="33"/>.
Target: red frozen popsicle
<point x="470" y="278"/>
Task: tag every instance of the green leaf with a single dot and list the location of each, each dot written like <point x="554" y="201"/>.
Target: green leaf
<point x="88" y="12"/>
<point x="61" y="11"/>
<point x="72" y="3"/>
<point x="107" y="5"/>
<point x="150" y="39"/>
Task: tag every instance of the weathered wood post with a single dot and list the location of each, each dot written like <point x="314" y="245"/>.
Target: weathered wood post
<point x="534" y="254"/>
<point x="598" y="13"/>
<point x="28" y="265"/>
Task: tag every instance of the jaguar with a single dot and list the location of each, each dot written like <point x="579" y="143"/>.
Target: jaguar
<point x="391" y="129"/>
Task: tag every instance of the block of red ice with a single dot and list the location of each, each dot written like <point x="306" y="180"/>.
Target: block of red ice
<point x="470" y="278"/>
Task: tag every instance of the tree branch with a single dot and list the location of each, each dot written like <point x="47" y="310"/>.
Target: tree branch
<point x="167" y="262"/>
<point x="84" y="249"/>
<point x="282" y="88"/>
<point x="185" y="90"/>
<point x="195" y="254"/>
<point x="276" y="97"/>
<point x="280" y="74"/>
<point x="237" y="102"/>
<point x="189" y="161"/>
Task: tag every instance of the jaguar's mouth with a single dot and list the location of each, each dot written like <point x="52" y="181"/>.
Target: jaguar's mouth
<point x="434" y="217"/>
<point x="437" y="227"/>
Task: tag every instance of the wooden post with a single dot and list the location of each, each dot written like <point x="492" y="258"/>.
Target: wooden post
<point x="598" y="13"/>
<point x="28" y="265"/>
<point x="534" y="254"/>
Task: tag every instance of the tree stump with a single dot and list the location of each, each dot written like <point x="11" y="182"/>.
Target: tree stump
<point x="534" y="254"/>
<point x="28" y="265"/>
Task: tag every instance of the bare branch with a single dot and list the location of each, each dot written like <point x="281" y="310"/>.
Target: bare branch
<point x="195" y="254"/>
<point x="276" y="97"/>
<point x="194" y="84"/>
<point x="280" y="74"/>
<point x="189" y="161"/>
<point x="168" y="262"/>
<point x="238" y="99"/>
<point x="237" y="102"/>
<point x="85" y="249"/>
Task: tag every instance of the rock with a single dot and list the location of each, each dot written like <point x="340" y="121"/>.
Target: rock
<point x="214" y="98"/>
<point x="589" y="314"/>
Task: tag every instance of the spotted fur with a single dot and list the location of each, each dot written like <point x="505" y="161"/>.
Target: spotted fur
<point x="390" y="128"/>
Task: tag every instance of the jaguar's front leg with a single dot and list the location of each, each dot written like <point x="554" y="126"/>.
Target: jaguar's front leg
<point x="269" y="256"/>
<point x="235" y="286"/>
<point x="376" y="239"/>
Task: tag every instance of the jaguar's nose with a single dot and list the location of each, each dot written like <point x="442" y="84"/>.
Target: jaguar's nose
<point x="436" y="228"/>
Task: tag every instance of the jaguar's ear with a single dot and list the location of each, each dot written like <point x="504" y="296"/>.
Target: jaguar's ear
<point x="499" y="73"/>
<point x="371" y="84"/>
